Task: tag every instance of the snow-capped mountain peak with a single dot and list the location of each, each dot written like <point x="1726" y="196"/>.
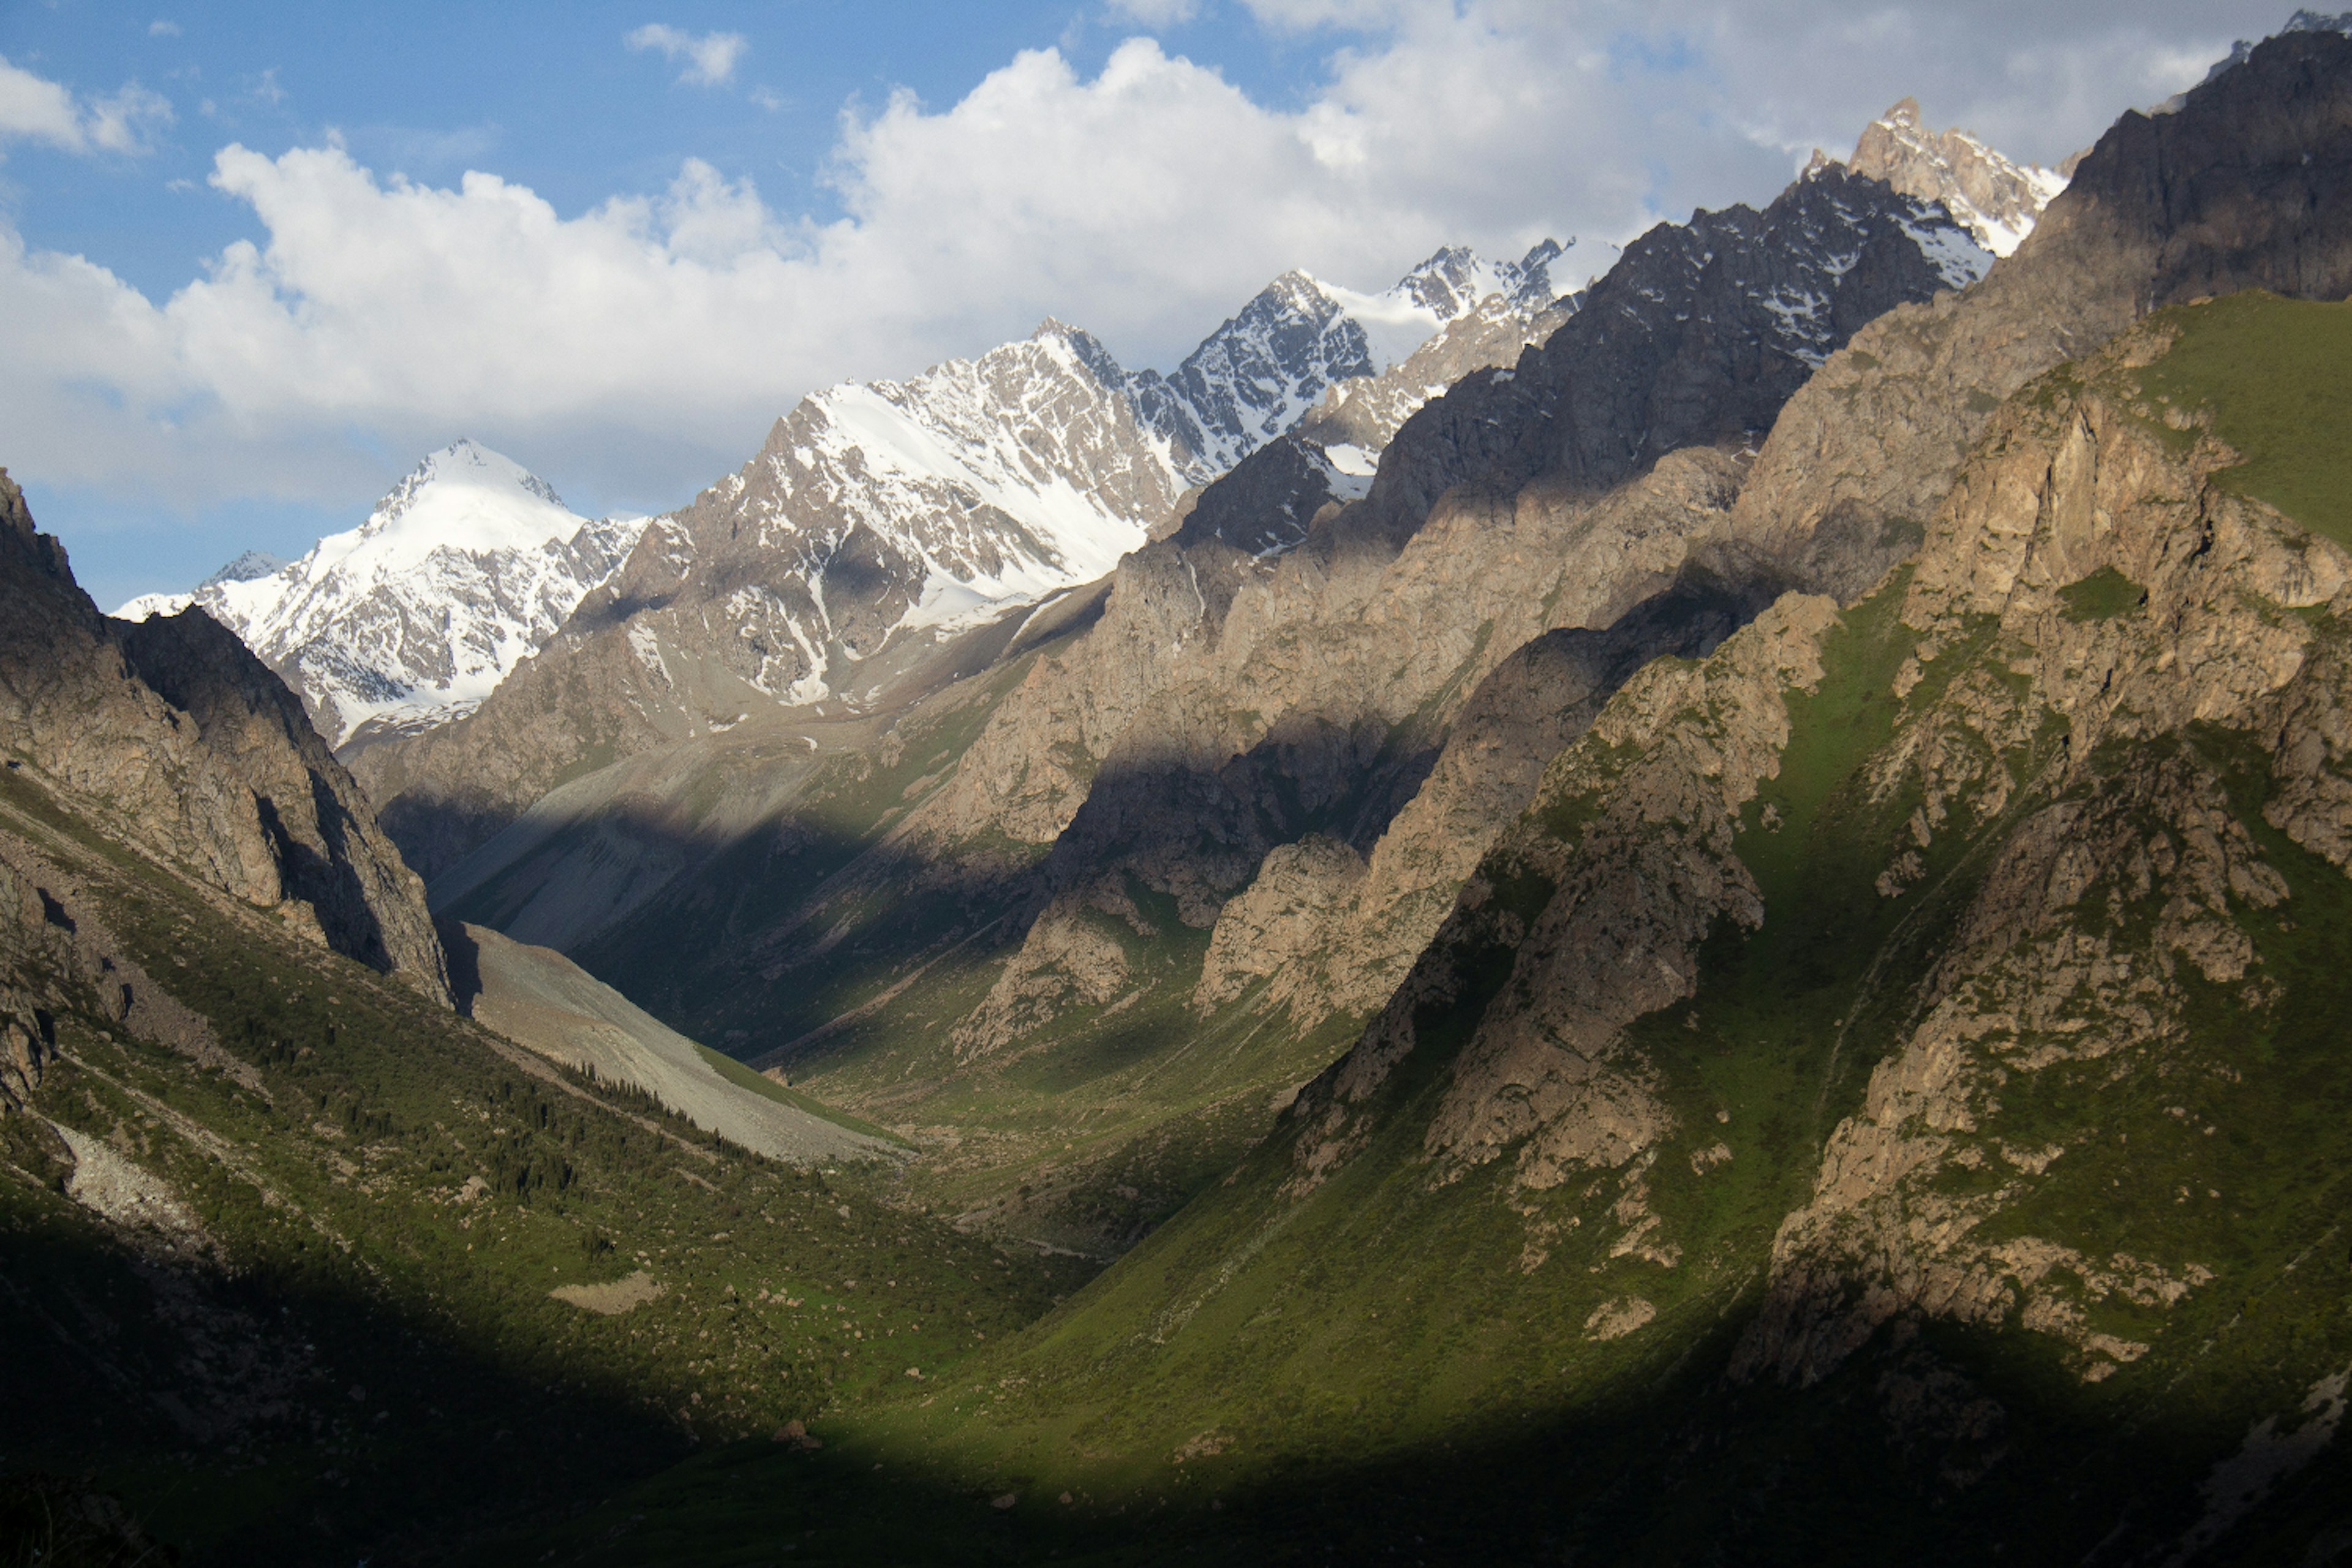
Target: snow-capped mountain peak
<point x="883" y="516"/>
<point x="1264" y="369"/>
<point x="252" y="563"/>
<point x="1451" y="282"/>
<point x="1995" y="199"/>
<point x="463" y="497"/>
<point x="464" y="569"/>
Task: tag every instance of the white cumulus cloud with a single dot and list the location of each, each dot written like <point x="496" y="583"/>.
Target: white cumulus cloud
<point x="1155" y="13"/>
<point x="35" y="109"/>
<point x="709" y="58"/>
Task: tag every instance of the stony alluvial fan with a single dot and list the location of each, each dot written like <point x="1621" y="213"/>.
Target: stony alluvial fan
<point x="414" y="617"/>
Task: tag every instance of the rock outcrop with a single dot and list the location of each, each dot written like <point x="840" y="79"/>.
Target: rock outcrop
<point x="194" y="753"/>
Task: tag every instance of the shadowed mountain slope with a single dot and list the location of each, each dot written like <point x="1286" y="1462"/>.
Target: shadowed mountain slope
<point x="1881" y="1098"/>
<point x="1881" y="1101"/>
<point x="178" y="737"/>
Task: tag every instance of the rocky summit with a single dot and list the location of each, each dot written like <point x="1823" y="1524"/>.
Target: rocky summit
<point x="414" y="617"/>
<point x="1699" y="919"/>
<point x="1997" y="201"/>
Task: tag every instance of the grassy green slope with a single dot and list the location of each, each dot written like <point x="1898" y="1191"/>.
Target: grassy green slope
<point x="361" y="1357"/>
<point x="1376" y="1367"/>
<point x="2266" y="373"/>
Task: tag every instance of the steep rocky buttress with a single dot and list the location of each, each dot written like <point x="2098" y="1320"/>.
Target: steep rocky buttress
<point x="193" y="751"/>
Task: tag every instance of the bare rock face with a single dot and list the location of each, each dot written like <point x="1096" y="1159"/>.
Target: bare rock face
<point x="1279" y="919"/>
<point x="1995" y="199"/>
<point x="1695" y="338"/>
<point x="1533" y="705"/>
<point x="1070" y="958"/>
<point x="1606" y="924"/>
<point x="1302" y="342"/>
<point x="1648" y="317"/>
<point x="1367" y="413"/>
<point x="2034" y="979"/>
<point x="201" y="756"/>
<point x="63" y="956"/>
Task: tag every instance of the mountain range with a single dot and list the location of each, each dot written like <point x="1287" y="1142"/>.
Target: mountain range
<point x="1076" y="843"/>
<point x="1696" y="921"/>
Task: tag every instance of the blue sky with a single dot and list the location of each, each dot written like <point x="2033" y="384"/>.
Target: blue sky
<point x="256" y="259"/>
<point x="547" y="96"/>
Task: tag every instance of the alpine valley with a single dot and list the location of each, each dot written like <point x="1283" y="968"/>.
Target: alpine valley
<point x="1699" y="914"/>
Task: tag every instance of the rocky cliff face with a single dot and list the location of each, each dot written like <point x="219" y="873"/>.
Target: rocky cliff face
<point x="198" y="755"/>
<point x="2242" y="186"/>
<point x="1356" y="420"/>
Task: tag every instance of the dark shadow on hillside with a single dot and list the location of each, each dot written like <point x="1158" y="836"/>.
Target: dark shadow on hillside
<point x="760" y="943"/>
<point x="1929" y="1445"/>
<point x="245" y="1409"/>
<point x="464" y="956"/>
<point x="1349" y="776"/>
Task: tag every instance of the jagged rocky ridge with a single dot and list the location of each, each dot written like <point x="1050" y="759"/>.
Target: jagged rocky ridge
<point x="174" y="734"/>
<point x="2302" y="21"/>
<point x="466" y="568"/>
<point x="881" y="539"/>
<point x="1997" y="200"/>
